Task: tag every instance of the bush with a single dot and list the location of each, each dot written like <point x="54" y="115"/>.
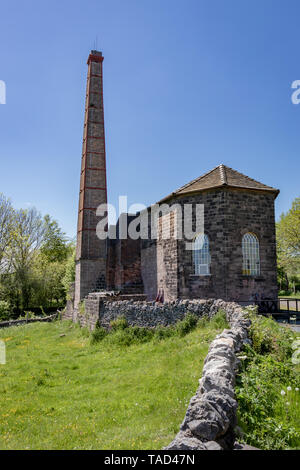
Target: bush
<point x="186" y="325"/>
<point x="130" y="335"/>
<point x="219" y="320"/>
<point x="5" y="310"/>
<point x="268" y="388"/>
<point x="268" y="337"/>
<point x="119" y="323"/>
<point x="123" y="334"/>
<point x="98" y="334"/>
<point x="163" y="332"/>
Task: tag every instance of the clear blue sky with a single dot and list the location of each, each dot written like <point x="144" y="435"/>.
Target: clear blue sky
<point x="188" y="84"/>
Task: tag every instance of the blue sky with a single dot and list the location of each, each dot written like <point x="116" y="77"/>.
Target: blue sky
<point x="188" y="84"/>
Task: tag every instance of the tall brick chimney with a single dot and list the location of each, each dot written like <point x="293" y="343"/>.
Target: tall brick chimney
<point x="90" y="251"/>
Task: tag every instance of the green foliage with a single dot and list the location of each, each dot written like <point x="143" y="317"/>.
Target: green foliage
<point x="55" y="246"/>
<point x="29" y="315"/>
<point x="81" y="307"/>
<point x="288" y="245"/>
<point x="7" y="217"/>
<point x="119" y="323"/>
<point x="35" y="256"/>
<point x="186" y="325"/>
<point x="124" y="335"/>
<point x="269" y="411"/>
<point x="269" y="337"/>
<point x="129" y="336"/>
<point x="219" y="320"/>
<point x="98" y="334"/>
<point x="69" y="274"/>
<point x="163" y="332"/>
<point x="5" y="310"/>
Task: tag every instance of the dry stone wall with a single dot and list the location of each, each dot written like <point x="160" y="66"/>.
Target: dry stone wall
<point x="9" y="323"/>
<point x="211" y="415"/>
<point x="97" y="308"/>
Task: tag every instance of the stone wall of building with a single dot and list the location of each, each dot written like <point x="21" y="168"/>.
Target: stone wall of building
<point x="167" y="256"/>
<point x="228" y="215"/>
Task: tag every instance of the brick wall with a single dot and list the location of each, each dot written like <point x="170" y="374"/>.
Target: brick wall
<point x="124" y="263"/>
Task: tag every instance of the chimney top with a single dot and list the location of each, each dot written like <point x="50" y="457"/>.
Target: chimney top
<point x="96" y="53"/>
<point x="95" y="56"/>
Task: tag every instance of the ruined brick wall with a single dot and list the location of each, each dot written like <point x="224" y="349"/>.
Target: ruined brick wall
<point x="124" y="263"/>
<point x="159" y="263"/>
<point x="149" y="268"/>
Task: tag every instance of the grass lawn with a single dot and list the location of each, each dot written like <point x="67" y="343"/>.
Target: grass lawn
<point x="61" y="392"/>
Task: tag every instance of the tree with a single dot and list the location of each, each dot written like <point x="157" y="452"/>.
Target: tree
<point x="69" y="275"/>
<point x="38" y="257"/>
<point x="55" y="245"/>
<point x="288" y="241"/>
<point x="6" y="225"/>
<point x="27" y="238"/>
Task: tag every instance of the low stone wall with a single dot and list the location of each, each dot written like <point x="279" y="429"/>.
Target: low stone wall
<point x="7" y="324"/>
<point x="211" y="415"/>
<point x="151" y="314"/>
<point x="140" y="313"/>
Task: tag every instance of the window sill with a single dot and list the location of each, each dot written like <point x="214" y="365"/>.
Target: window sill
<point x="200" y="275"/>
<point x="252" y="276"/>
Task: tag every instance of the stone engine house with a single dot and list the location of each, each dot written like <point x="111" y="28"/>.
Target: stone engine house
<point x="233" y="257"/>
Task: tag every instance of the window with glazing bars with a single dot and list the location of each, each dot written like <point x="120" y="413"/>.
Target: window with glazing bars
<point x="251" y="260"/>
<point x="201" y="256"/>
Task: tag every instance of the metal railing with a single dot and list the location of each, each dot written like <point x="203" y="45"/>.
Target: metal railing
<point x="281" y="309"/>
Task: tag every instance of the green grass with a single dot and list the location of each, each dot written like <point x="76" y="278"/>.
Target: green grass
<point x="290" y="295"/>
<point x="62" y="392"/>
<point x="268" y="387"/>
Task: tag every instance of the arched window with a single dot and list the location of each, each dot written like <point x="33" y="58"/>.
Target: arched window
<point x="251" y="261"/>
<point x="201" y="256"/>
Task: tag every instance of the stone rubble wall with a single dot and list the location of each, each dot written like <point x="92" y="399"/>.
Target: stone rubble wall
<point x="8" y="323"/>
<point x="211" y="415"/>
<point x="140" y="313"/>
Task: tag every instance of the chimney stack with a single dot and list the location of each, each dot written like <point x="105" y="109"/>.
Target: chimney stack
<point x="90" y="251"/>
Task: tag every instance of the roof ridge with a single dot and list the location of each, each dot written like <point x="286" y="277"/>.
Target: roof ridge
<point x="221" y="176"/>
<point x="195" y="180"/>
<point x="223" y="173"/>
<point x="248" y="177"/>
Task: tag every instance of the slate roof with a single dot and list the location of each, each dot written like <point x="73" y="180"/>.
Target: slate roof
<point x="221" y="176"/>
